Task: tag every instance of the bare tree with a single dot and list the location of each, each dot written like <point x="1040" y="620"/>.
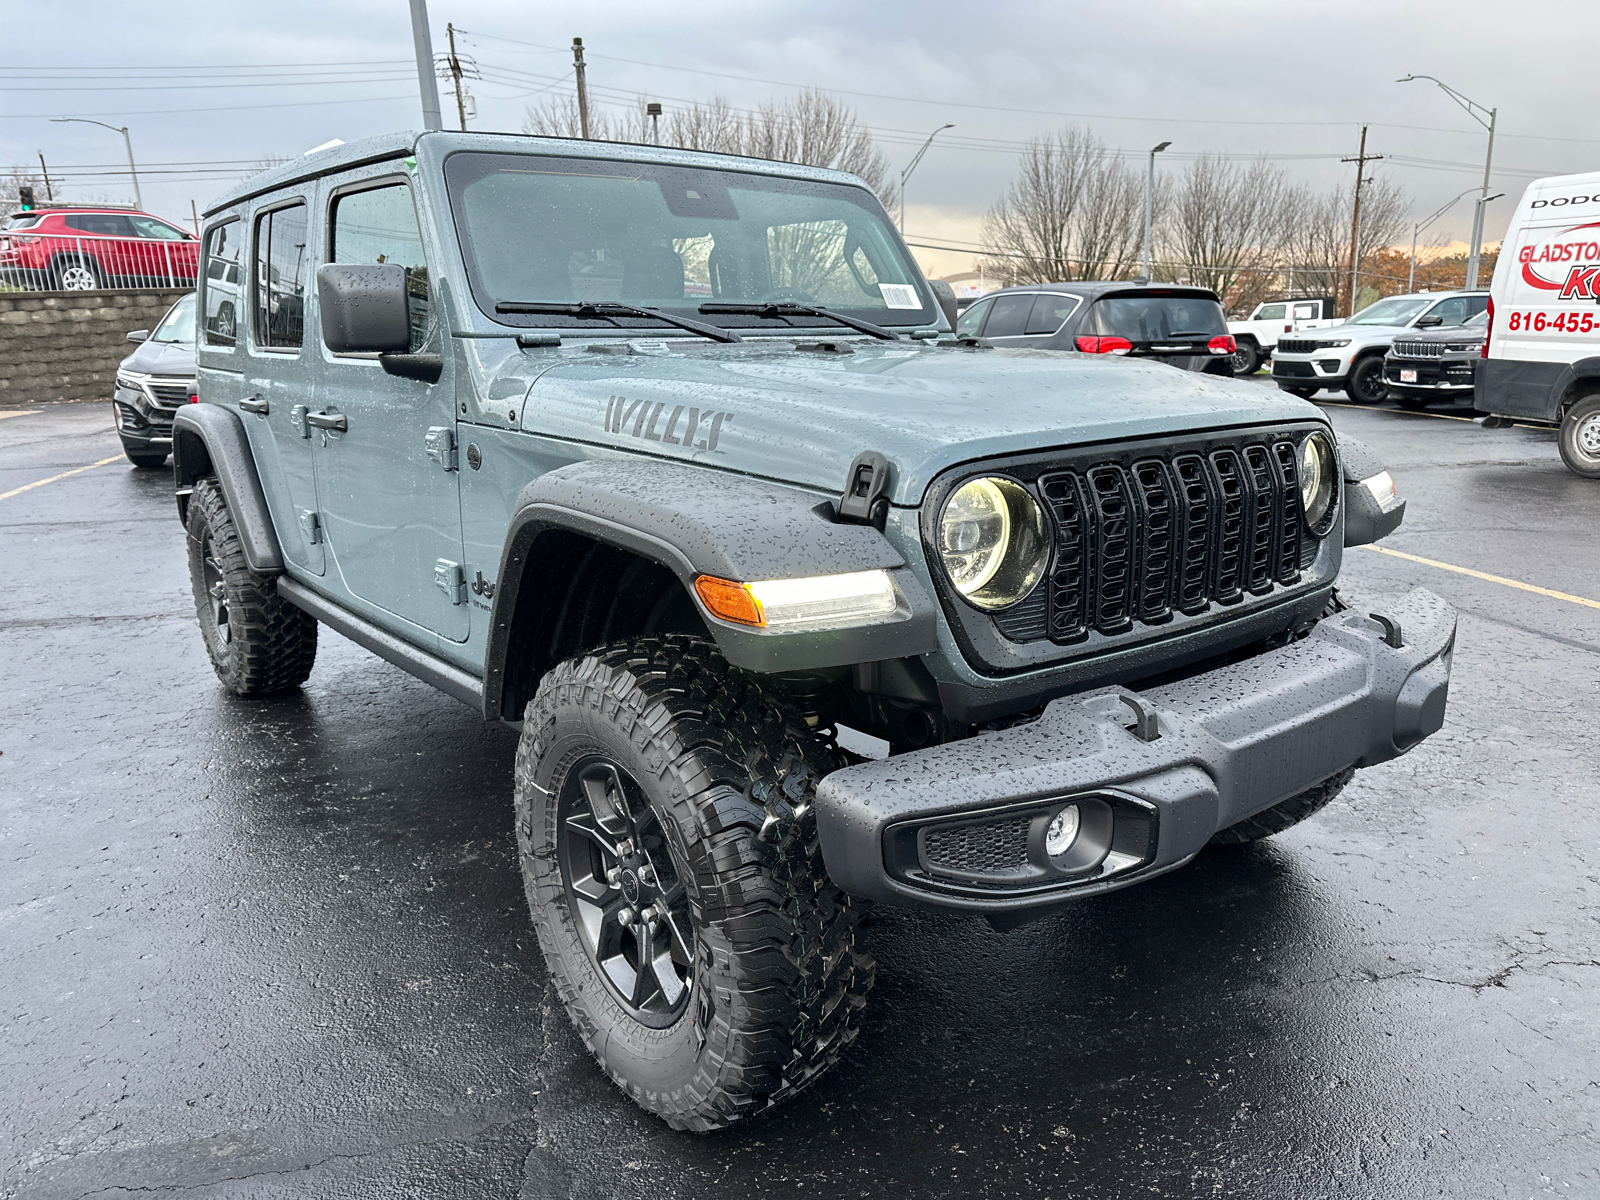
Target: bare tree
<point x="1227" y="221"/>
<point x="1072" y="212"/>
<point x="14" y="179"/>
<point x="1317" y="250"/>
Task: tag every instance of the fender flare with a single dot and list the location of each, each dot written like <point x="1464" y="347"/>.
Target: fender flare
<point x="210" y="440"/>
<point x="700" y="521"/>
<point x="1365" y="519"/>
<point x="1571" y="374"/>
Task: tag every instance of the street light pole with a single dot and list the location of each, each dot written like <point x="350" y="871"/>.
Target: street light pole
<point x="127" y="142"/>
<point x="1418" y="228"/>
<point x="1474" y="109"/>
<point x="912" y="166"/>
<point x="1150" y="204"/>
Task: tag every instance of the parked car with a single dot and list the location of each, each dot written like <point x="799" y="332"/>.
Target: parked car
<point x="793" y="599"/>
<point x="1181" y="326"/>
<point x="153" y="383"/>
<point x="1350" y="355"/>
<point x="1257" y="335"/>
<point x="1540" y="362"/>
<point x="77" y="249"/>
<point x="1425" y="367"/>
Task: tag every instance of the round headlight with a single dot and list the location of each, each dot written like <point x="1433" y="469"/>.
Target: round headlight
<point x="992" y="542"/>
<point x="1318" y="475"/>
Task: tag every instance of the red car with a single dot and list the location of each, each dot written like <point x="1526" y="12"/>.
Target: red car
<point x="81" y="248"/>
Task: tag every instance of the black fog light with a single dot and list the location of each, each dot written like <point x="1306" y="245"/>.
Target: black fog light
<point x="1328" y="365"/>
<point x="1074" y="839"/>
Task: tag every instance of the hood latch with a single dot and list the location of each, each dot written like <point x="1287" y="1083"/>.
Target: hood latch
<point x="864" y="502"/>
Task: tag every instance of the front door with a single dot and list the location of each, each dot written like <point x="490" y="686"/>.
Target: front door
<point x="386" y="473"/>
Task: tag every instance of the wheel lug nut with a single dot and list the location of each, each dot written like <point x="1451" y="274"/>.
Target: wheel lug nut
<point x="613" y="874"/>
<point x="646" y="875"/>
<point x="625" y="847"/>
<point x="626" y="916"/>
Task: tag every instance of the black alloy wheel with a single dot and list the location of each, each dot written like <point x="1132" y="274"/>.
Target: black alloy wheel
<point x="216" y="594"/>
<point x="1366" y="385"/>
<point x="621" y="883"/>
<point x="1246" y="358"/>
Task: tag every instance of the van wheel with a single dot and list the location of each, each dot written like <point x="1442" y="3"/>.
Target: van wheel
<point x="1285" y="813"/>
<point x="1246" y="358"/>
<point x="1365" y="385"/>
<point x="670" y="858"/>
<point x="258" y="642"/>
<point x="1580" y="438"/>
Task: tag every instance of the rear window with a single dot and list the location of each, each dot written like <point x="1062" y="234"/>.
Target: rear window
<point x="1049" y="310"/>
<point x="1271" y="312"/>
<point x="23" y="220"/>
<point x="1157" y="318"/>
<point x="1009" y="318"/>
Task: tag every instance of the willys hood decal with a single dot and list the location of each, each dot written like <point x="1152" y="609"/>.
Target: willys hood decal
<point x="802" y="416"/>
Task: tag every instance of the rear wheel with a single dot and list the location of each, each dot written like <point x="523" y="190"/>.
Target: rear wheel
<point x="75" y="273"/>
<point x="670" y="857"/>
<point x="1285" y="813"/>
<point x="1580" y="438"/>
<point x="1366" y="385"/>
<point x="258" y="642"/>
<point x="1246" y="358"/>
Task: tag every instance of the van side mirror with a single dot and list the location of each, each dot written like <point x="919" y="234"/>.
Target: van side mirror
<point x="139" y="336"/>
<point x="1429" y="322"/>
<point x="364" y="308"/>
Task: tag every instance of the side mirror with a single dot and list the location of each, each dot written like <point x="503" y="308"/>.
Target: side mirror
<point x="139" y="336"/>
<point x="364" y="308"/>
<point x="946" y="295"/>
<point x="1429" y="322"/>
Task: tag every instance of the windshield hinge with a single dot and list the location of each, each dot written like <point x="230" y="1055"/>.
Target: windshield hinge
<point x="864" y="502"/>
<point x="441" y="444"/>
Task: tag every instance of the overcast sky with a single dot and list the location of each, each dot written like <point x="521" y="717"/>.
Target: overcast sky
<point x="207" y="89"/>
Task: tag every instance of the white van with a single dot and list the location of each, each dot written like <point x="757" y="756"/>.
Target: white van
<point x="1542" y="359"/>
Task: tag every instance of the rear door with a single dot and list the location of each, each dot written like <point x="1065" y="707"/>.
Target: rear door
<point x="387" y="475"/>
<point x="1008" y="318"/>
<point x="107" y="239"/>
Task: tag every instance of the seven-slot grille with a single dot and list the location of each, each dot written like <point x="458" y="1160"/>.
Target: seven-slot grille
<point x="1296" y="346"/>
<point x="1419" y="349"/>
<point x="1176" y="532"/>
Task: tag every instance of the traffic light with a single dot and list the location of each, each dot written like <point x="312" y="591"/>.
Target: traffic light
<point x="25" y="194"/>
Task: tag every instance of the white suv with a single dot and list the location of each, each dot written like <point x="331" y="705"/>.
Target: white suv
<point x="1350" y="355"/>
<point x="1257" y="335"/>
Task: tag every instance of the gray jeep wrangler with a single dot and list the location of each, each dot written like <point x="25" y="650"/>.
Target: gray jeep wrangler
<point x="671" y="461"/>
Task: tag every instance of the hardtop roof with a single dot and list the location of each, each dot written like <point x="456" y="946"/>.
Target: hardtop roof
<point x="397" y="145"/>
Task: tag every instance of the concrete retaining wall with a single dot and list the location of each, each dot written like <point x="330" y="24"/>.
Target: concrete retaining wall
<point x="66" y="345"/>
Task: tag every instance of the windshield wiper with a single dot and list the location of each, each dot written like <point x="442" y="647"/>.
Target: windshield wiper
<point x="609" y="310"/>
<point x="791" y="308"/>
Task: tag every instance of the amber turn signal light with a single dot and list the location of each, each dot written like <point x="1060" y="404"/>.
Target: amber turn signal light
<point x="728" y="600"/>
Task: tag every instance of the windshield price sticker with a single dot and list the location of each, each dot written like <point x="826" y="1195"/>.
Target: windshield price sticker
<point x="899" y="295"/>
<point x="1538" y="322"/>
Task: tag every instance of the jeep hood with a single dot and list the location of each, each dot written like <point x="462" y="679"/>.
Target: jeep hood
<point x="802" y="416"/>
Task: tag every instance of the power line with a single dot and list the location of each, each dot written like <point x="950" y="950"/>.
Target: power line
<point x="210" y="108"/>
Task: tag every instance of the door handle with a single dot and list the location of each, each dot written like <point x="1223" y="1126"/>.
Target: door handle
<point x="254" y="406"/>
<point x="327" y="420"/>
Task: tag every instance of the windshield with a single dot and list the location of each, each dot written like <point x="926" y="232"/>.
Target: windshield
<point x="178" y="324"/>
<point x="1155" y="318"/>
<point x="537" y="229"/>
<point x="1396" y="311"/>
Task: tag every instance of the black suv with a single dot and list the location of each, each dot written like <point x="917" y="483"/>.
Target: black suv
<point x="154" y="382"/>
<point x="1426" y="367"/>
<point x="1183" y="326"/>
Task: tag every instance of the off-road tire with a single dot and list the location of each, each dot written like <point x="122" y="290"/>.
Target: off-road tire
<point x="728" y="770"/>
<point x="1579" y="438"/>
<point x="261" y="644"/>
<point x="1365" y="384"/>
<point x="1284" y="814"/>
<point x="146" y="462"/>
<point x="1246" y="359"/>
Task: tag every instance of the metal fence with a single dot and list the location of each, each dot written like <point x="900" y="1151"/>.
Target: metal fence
<point x="84" y="262"/>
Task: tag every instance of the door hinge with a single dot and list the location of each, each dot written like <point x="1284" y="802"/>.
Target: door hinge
<point x="297" y="418"/>
<point x="450" y="579"/>
<point x="441" y="443"/>
<point x="311" y="526"/>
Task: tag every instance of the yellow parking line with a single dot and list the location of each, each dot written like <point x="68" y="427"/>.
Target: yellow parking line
<point x="1394" y="412"/>
<point x="1485" y="576"/>
<point x="28" y="487"/>
<point x="25" y="412"/>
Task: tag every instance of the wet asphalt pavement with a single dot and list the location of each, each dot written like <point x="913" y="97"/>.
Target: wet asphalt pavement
<point x="280" y="949"/>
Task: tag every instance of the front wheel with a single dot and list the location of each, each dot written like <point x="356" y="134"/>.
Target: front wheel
<point x="669" y="854"/>
<point x="1284" y="814"/>
<point x="1246" y="358"/>
<point x="1580" y="438"/>
<point x="1366" y="385"/>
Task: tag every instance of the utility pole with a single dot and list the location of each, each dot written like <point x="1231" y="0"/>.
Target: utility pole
<point x="194" y="215"/>
<point x="455" y="74"/>
<point x="1361" y="160"/>
<point x="653" y="111"/>
<point x="422" y="40"/>
<point x="1150" y="204"/>
<point x="48" y="195"/>
<point x="583" y="87"/>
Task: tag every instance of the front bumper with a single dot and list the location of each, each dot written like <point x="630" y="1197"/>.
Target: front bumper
<point x="143" y="427"/>
<point x="934" y="828"/>
<point x="1326" y="372"/>
<point x="1434" y="377"/>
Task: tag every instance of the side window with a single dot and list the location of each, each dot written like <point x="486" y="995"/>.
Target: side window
<point x="380" y="226"/>
<point x="149" y="227"/>
<point x="1476" y="305"/>
<point x="1049" y="310"/>
<point x="1010" y="315"/>
<point x="969" y="322"/>
<point x="1274" y="312"/>
<point x="280" y="273"/>
<point x="103" y="224"/>
<point x="223" y="248"/>
<point x="1452" y="311"/>
<point x="1304" y="312"/>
